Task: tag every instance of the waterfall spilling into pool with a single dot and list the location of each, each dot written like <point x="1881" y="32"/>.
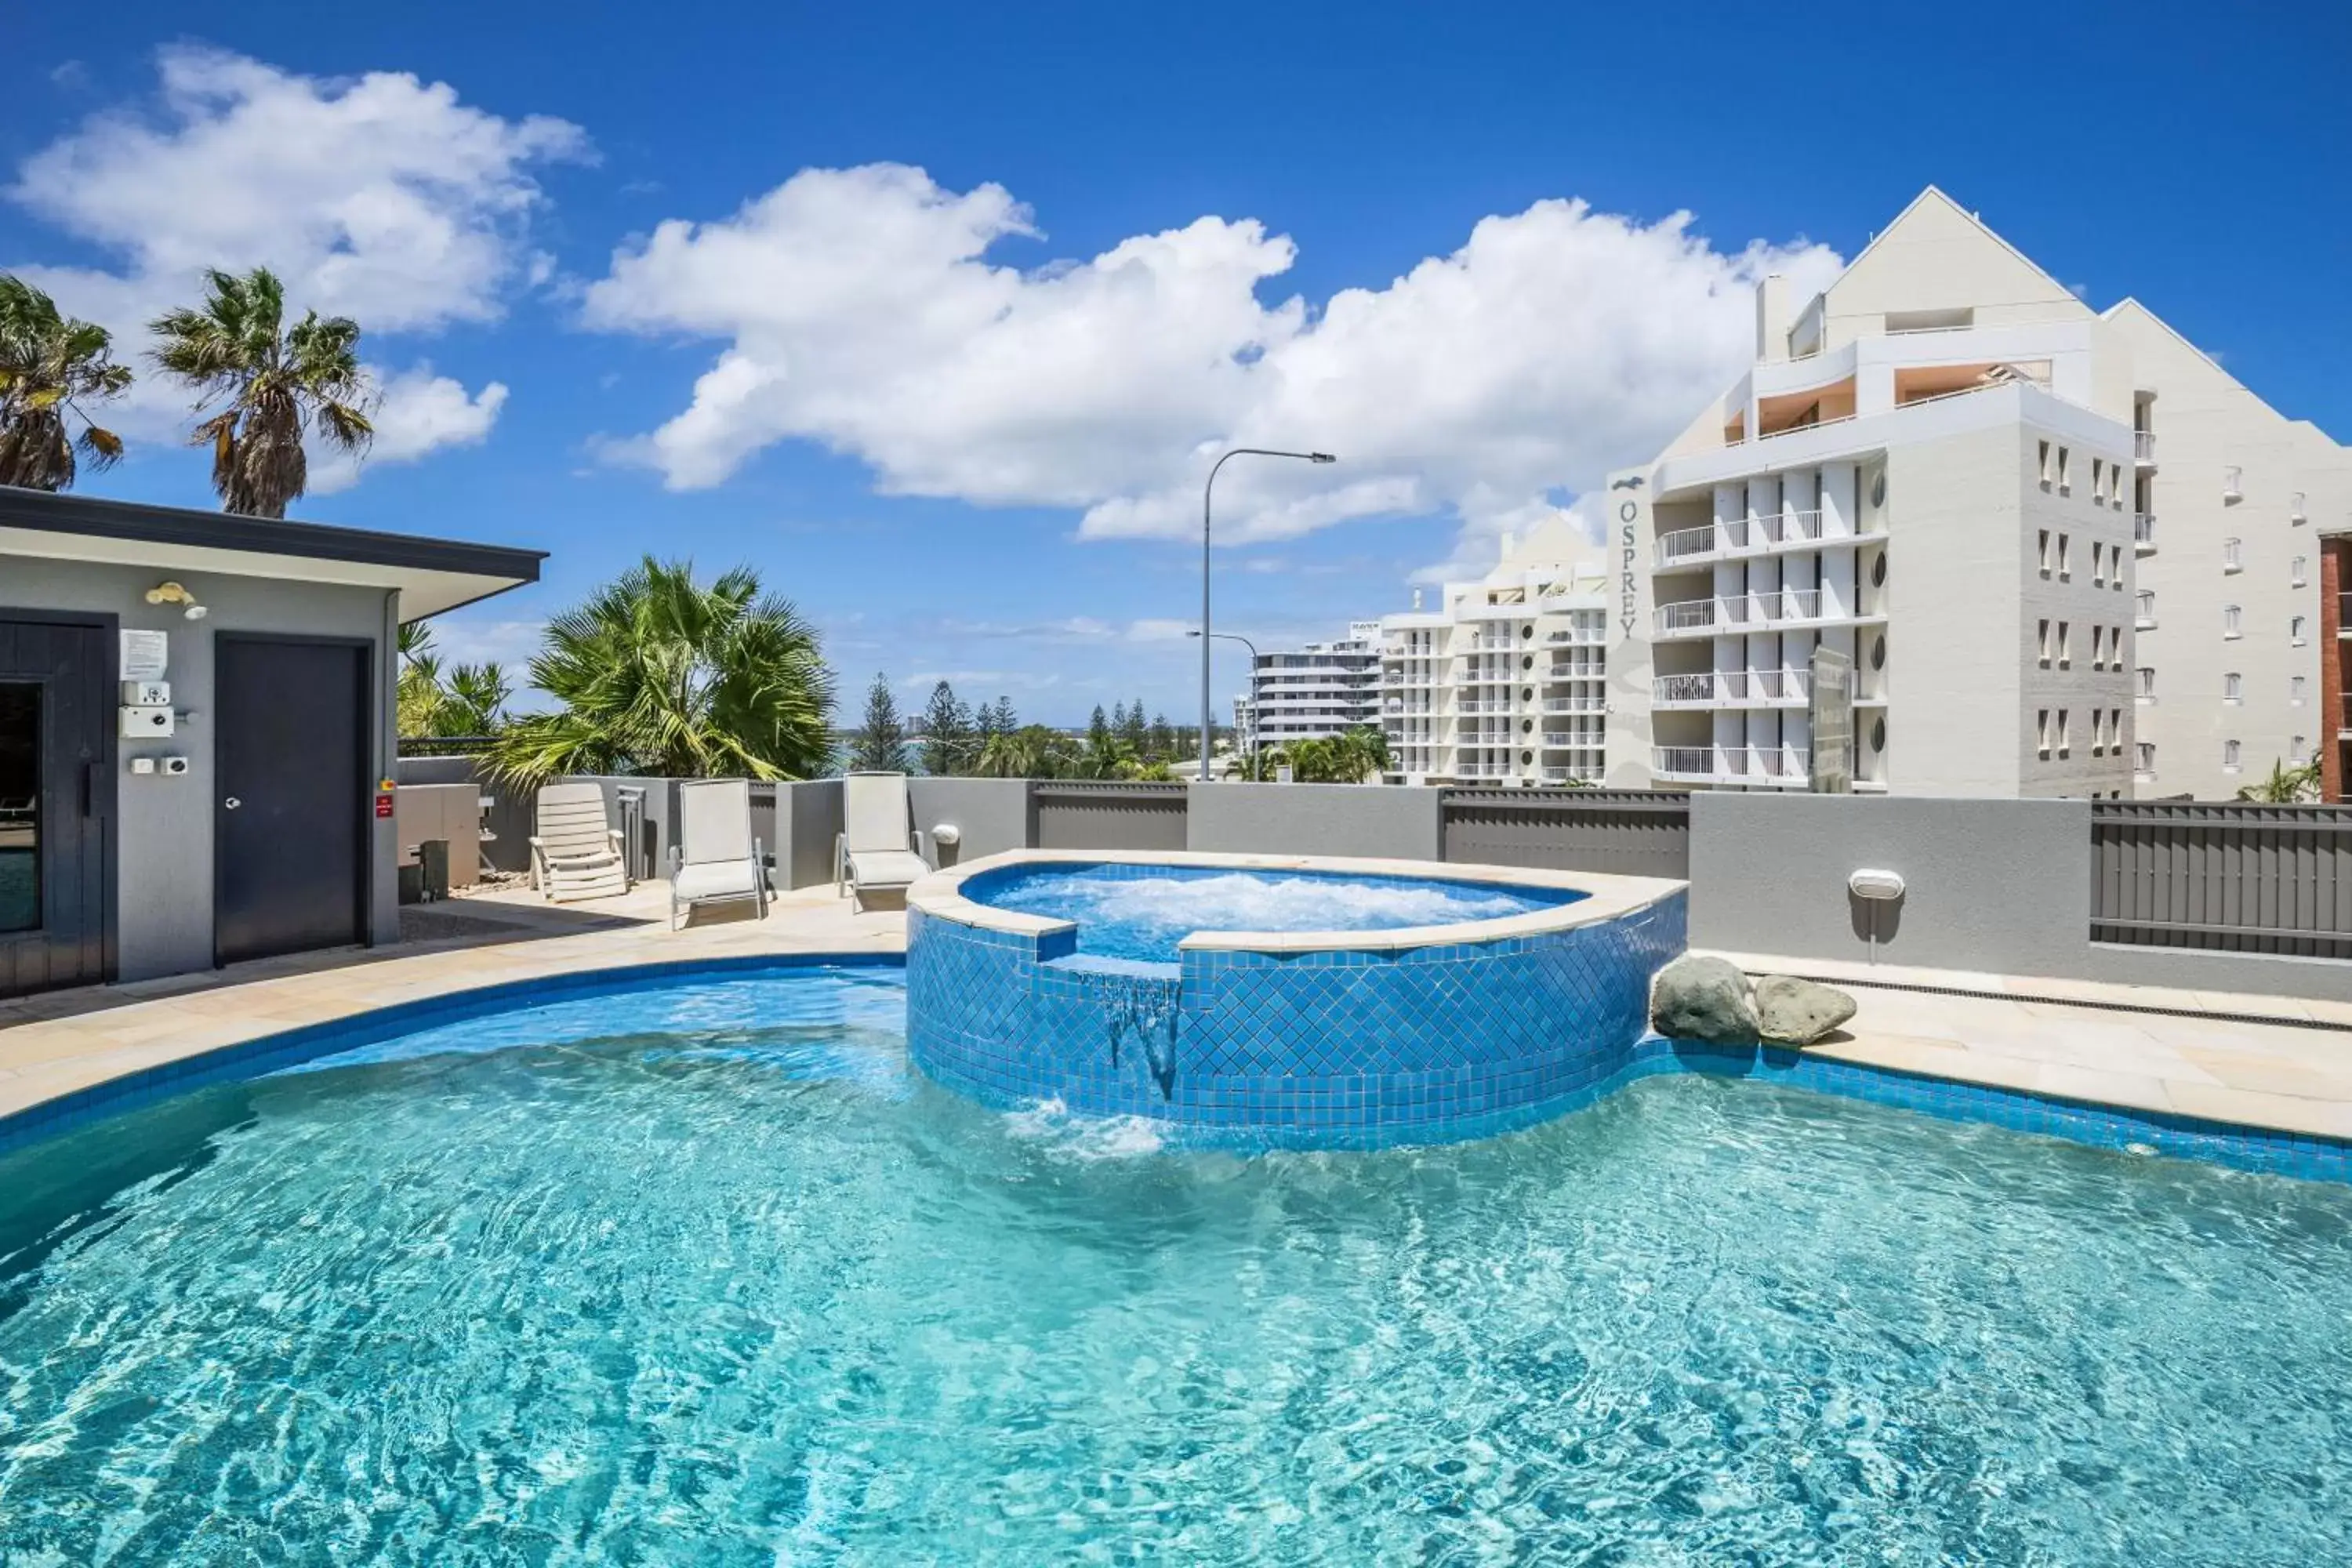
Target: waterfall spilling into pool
<point x="1281" y="1001"/>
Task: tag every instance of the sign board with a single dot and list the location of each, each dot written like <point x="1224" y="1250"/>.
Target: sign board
<point x="1832" y="718"/>
<point x="146" y="656"/>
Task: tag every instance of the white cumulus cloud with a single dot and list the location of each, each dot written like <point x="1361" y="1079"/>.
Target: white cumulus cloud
<point x="419" y="413"/>
<point x="870" y="309"/>
<point x="381" y="197"/>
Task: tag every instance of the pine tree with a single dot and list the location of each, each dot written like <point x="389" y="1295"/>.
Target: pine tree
<point x="1007" y="722"/>
<point x="983" y="728"/>
<point x="1099" y="734"/>
<point x="947" y="734"/>
<point x="1132" y="727"/>
<point x="880" y="744"/>
<point x="1163" y="739"/>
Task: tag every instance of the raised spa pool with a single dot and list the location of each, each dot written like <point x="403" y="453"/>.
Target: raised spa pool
<point x="1310" y="1002"/>
<point x="1143" y="912"/>
<point x="700" y="1273"/>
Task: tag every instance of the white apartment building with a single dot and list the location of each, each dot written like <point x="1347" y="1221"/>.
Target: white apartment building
<point x="1304" y="694"/>
<point x="1503" y="683"/>
<point x="2067" y="554"/>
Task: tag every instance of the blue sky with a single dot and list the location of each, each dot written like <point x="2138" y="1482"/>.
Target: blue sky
<point x="932" y="313"/>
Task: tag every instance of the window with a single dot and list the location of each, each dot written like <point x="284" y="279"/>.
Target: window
<point x="2233" y="484"/>
<point x="2098" y="647"/>
<point x="2146" y="688"/>
<point x="2066" y="645"/>
<point x="2042" y="733"/>
<point x="2229" y="756"/>
<point x="2294" y="690"/>
<point x="2047" y="472"/>
<point x="2144" y="759"/>
<point x="2065" y="472"/>
<point x="2098" y="481"/>
<point x="2233" y="553"/>
<point x="2294" y="630"/>
<point x="2043" y="642"/>
<point x="2147" y="607"/>
<point x="2298" y="571"/>
<point x="2116" y="729"/>
<point x="2045" y="552"/>
<point x="2099" y="565"/>
<point x="2233" y="621"/>
<point x="2065" y="735"/>
<point x="2297" y="750"/>
<point x="2065" y="558"/>
<point x="2233" y="688"/>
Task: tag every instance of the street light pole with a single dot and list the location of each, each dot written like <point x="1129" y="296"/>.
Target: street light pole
<point x="1236" y="637"/>
<point x="1207" y="491"/>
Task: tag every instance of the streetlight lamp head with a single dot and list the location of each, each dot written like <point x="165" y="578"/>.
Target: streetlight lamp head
<point x="1321" y="458"/>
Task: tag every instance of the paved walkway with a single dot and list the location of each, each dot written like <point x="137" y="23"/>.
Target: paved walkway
<point x="2290" y="1075"/>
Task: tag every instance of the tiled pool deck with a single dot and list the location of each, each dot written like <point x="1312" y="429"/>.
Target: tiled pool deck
<point x="2139" y="1048"/>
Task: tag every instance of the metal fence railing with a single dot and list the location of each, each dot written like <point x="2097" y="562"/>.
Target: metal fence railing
<point x="2231" y="877"/>
<point x="1640" y="833"/>
<point x="1083" y="815"/>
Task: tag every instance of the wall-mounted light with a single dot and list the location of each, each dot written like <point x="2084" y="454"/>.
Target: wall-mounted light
<point x="172" y="594"/>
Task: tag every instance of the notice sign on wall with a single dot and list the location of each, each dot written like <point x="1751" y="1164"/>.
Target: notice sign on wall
<point x="146" y="656"/>
<point x="1833" y="722"/>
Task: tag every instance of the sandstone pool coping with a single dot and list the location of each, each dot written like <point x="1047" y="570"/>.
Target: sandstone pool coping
<point x="1606" y="897"/>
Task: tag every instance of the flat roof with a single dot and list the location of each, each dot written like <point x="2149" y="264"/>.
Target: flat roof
<point x="433" y="575"/>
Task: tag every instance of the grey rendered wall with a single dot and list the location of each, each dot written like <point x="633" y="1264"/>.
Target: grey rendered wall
<point x="163" y="895"/>
<point x="1390" y="822"/>
<point x="808" y="822"/>
<point x="992" y="815"/>
<point x="1998" y="887"/>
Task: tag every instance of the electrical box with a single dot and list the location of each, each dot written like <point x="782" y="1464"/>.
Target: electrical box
<point x="144" y="766"/>
<point x="146" y="694"/>
<point x="144" y="723"/>
<point x="175" y="767"/>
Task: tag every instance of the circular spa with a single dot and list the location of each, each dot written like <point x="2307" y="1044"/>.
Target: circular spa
<point x="1304" y="1003"/>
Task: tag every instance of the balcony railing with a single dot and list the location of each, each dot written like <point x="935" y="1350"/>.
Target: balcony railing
<point x="2143" y="532"/>
<point x="1582" y="636"/>
<point x="1744" y="612"/>
<point x="1732" y="688"/>
<point x="1735" y="765"/>
<point x="1575" y="705"/>
<point x="2144" y="446"/>
<point x="1736" y="536"/>
<point x="1570" y="741"/>
<point x="1688" y="541"/>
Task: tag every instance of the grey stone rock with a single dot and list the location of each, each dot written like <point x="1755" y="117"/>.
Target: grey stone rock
<point x="1698" y="998"/>
<point x="1799" y="1012"/>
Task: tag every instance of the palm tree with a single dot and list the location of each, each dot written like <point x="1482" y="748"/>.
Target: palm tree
<point x="2285" y="785"/>
<point x="49" y="362"/>
<point x="1031" y="752"/>
<point x="659" y="674"/>
<point x="475" y="699"/>
<point x="276" y="383"/>
<point x="420" y="695"/>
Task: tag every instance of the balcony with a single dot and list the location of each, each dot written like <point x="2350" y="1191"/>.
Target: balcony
<point x="1575" y="705"/>
<point x="2144" y="449"/>
<point x="1767" y="611"/>
<point x="1569" y="670"/>
<point x="1777" y="767"/>
<point x="1735" y="689"/>
<point x="1764" y="534"/>
<point x="2144" y="614"/>
<point x="1582" y="637"/>
<point x="2144" y="533"/>
<point x="1569" y="741"/>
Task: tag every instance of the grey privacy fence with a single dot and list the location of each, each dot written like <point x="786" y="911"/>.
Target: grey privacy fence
<point x="2231" y="877"/>
<point x="1073" y="814"/>
<point x="1639" y="833"/>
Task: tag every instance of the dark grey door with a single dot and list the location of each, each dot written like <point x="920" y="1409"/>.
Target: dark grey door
<point x="291" y="823"/>
<point x="57" y="803"/>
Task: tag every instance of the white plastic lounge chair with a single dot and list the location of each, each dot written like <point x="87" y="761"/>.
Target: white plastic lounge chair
<point x="717" y="859"/>
<point x="576" y="854"/>
<point x="877" y="851"/>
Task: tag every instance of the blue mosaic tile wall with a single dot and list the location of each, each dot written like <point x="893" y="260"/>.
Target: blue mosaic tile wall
<point x="1346" y="1050"/>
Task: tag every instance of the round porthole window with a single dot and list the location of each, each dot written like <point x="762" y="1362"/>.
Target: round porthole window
<point x="1878" y="736"/>
<point x="1526" y="632"/>
<point x="1878" y="487"/>
<point x="1527" y="694"/>
<point x="1878" y="572"/>
<point x="1526" y="726"/>
<point x="1527" y="758"/>
<point x="1526" y="662"/>
<point x="1878" y="653"/>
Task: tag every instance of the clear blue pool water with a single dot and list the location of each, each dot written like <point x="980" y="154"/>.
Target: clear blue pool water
<point x="1143" y="912"/>
<point x="704" y="1276"/>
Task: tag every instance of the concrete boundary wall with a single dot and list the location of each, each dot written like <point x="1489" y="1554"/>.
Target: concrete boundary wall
<point x="1391" y="822"/>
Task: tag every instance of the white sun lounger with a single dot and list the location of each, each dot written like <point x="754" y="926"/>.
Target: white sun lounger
<point x="876" y="852"/>
<point x="718" y="859"/>
<point x="576" y="854"/>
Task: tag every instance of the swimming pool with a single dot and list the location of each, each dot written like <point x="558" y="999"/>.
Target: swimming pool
<point x="1141" y="911"/>
<point x="700" y="1273"/>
